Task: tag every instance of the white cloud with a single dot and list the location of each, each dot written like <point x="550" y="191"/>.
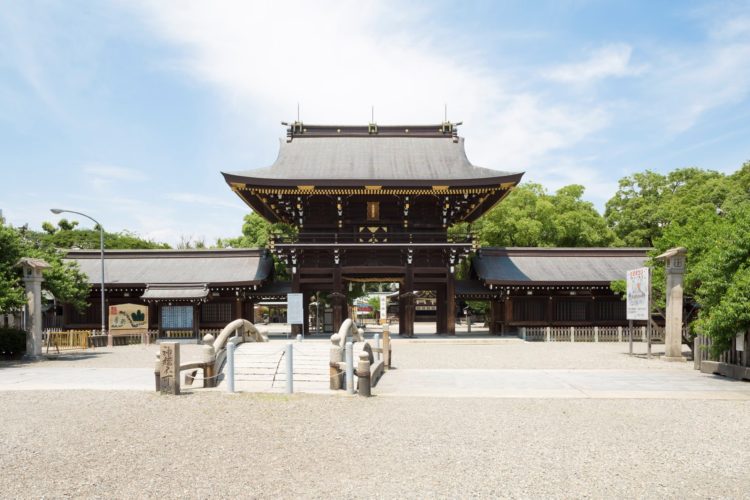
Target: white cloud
<point x="338" y="58"/>
<point x="605" y="62"/>
<point x="201" y="199"/>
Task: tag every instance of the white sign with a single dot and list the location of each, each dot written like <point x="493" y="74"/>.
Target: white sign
<point x="295" y="311"/>
<point x="637" y="294"/>
<point x="383" y="306"/>
<point x="739" y="342"/>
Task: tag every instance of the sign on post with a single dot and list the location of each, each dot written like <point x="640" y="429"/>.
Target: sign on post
<point x="383" y="309"/>
<point x="295" y="311"/>
<point x="637" y="294"/>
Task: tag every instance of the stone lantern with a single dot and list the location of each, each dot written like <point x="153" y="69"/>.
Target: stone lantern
<point x="675" y="262"/>
<point x="32" y="279"/>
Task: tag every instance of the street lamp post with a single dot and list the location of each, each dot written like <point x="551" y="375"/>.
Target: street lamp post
<point x="58" y="211"/>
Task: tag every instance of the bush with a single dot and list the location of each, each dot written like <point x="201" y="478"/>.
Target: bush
<point x="12" y="343"/>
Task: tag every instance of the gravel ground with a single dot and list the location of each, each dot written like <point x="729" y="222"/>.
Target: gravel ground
<point x="211" y="445"/>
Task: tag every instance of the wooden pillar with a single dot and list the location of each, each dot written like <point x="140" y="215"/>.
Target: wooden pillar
<point x="238" y="312"/>
<point x="450" y="296"/>
<point x="296" y="288"/>
<point x="407" y="295"/>
<point x="440" y="313"/>
<point x="550" y="314"/>
<point x="306" y="313"/>
<point x="196" y="320"/>
<point x="153" y="316"/>
<point x="494" y="306"/>
<point x="508" y="313"/>
<point x="339" y="300"/>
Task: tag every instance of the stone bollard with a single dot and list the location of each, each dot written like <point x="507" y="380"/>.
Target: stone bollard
<point x="230" y="367"/>
<point x="208" y="358"/>
<point x="157" y="372"/>
<point x="363" y="375"/>
<point x="337" y="356"/>
<point x="169" y="372"/>
<point x="386" y="347"/>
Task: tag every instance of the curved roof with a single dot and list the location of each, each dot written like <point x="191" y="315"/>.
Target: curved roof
<point x="525" y="266"/>
<point x="372" y="158"/>
<point x="381" y="155"/>
<point x="231" y="267"/>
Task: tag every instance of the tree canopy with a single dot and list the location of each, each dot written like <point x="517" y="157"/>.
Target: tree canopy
<point x="67" y="235"/>
<point x="532" y="217"/>
<point x="708" y="213"/>
<point x="256" y="232"/>
<point x="62" y="279"/>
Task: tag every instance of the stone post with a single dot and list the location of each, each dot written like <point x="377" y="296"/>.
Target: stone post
<point x="363" y="374"/>
<point x="336" y="358"/>
<point x="32" y="279"/>
<point x="675" y="262"/>
<point x="386" y="347"/>
<point x="169" y="373"/>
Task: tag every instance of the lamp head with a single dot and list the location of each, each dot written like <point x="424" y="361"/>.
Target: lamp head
<point x="56" y="210"/>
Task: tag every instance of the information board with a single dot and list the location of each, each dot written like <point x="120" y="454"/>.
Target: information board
<point x="126" y="317"/>
<point x="295" y="311"/>
<point x="637" y="293"/>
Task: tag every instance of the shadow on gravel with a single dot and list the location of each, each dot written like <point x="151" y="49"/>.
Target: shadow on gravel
<point x="73" y="356"/>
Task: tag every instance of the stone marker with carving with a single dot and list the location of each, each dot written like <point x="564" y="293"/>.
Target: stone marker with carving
<point x="675" y="261"/>
<point x="169" y="376"/>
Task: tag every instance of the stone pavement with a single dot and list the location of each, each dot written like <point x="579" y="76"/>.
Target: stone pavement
<point x="547" y="383"/>
<point x="261" y="367"/>
<point x="431" y="366"/>
<point x="36" y="378"/>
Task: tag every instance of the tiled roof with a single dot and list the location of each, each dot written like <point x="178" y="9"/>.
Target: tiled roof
<point x="556" y="265"/>
<point x="169" y="267"/>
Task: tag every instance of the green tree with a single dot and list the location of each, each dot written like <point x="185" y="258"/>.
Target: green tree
<point x="647" y="203"/>
<point x="67" y="235"/>
<point x="707" y="213"/>
<point x="11" y="250"/>
<point x="62" y="279"/>
<point x="256" y="233"/>
<point x="532" y="217"/>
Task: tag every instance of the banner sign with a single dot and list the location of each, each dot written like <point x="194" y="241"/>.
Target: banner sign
<point x="637" y="293"/>
<point x="295" y="311"/>
<point x="128" y="317"/>
<point x="383" y="306"/>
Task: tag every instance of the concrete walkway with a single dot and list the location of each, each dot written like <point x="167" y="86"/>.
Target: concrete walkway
<point x="36" y="378"/>
<point x="546" y="383"/>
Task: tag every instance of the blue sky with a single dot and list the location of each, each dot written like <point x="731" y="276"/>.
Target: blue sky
<point x="128" y="111"/>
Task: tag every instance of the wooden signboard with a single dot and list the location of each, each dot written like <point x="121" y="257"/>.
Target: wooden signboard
<point x="124" y="318"/>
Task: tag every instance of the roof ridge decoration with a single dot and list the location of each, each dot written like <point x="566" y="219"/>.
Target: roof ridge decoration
<point x="298" y="129"/>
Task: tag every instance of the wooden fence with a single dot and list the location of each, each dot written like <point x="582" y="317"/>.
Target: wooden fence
<point x="590" y="333"/>
<point x="736" y="355"/>
<point x="66" y="340"/>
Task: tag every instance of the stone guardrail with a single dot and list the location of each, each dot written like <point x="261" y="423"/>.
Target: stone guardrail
<point x="213" y="354"/>
<point x="369" y="369"/>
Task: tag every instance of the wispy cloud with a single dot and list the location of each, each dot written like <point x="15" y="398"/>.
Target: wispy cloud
<point x="201" y="199"/>
<point x="605" y="62"/>
<point x="339" y="58"/>
<point x="102" y="177"/>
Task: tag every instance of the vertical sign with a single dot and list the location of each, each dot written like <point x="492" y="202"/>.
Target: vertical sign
<point x="383" y="309"/>
<point x="294" y="309"/>
<point x="637" y="293"/>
